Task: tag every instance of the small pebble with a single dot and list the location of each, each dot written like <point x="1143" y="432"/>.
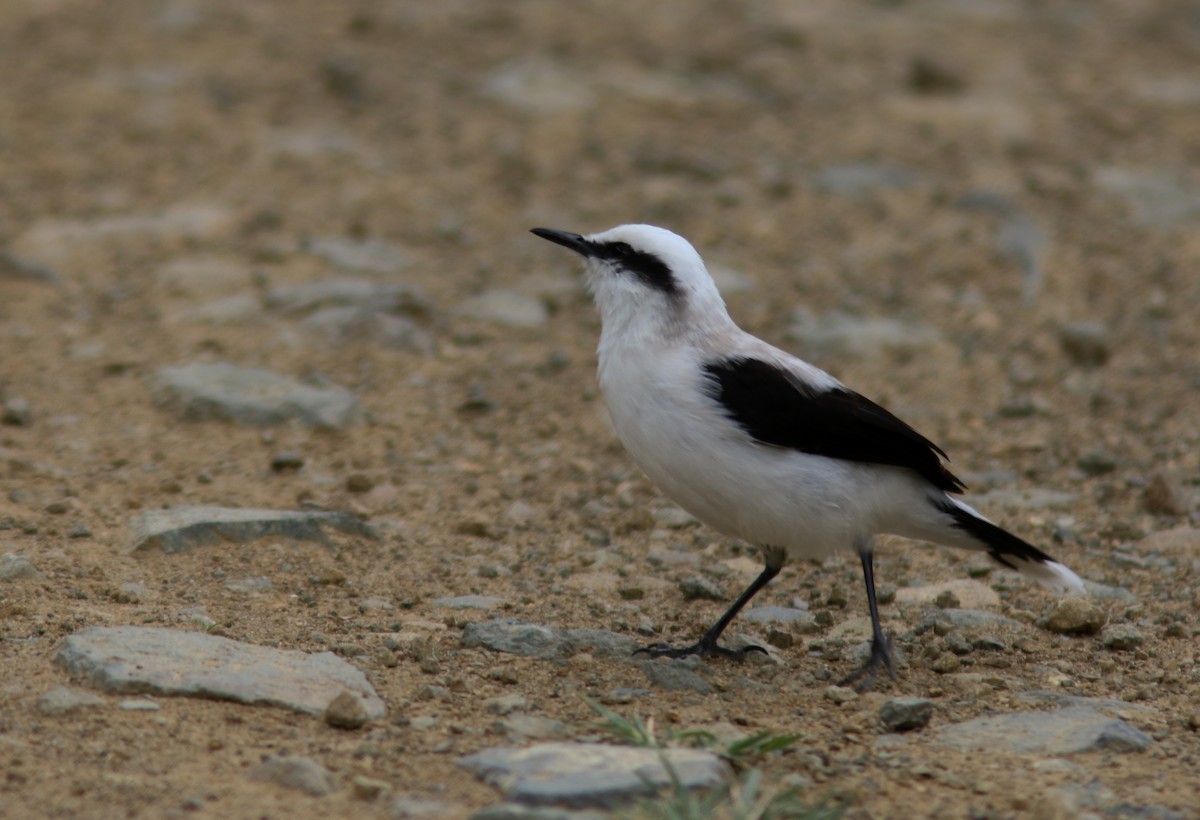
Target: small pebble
<point x="699" y="588"/>
<point x="359" y="483"/>
<point x="346" y="711"/>
<point x="287" y="461"/>
<point x="1075" y="616"/>
<point x="840" y="694"/>
<point x="1121" y="637"/>
<point x="1164" y="496"/>
<point x="906" y="714"/>
<point x="1086" y="343"/>
<point x="16" y="412"/>
<point x="946" y="663"/>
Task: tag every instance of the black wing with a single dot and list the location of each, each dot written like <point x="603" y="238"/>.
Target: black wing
<point x="773" y="407"/>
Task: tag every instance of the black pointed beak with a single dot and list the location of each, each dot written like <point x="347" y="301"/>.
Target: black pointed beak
<point x="565" y="238"/>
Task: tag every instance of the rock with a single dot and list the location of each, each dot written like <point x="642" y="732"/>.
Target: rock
<point x="420" y="807"/>
<point x="674" y="518"/>
<point x="1100" y="592"/>
<point x="587" y="775"/>
<point x="1109" y="706"/>
<point x="840" y="694"/>
<point x="346" y="711"/>
<point x="906" y="714"/>
<point x="238" y="308"/>
<point x="840" y="334"/>
<point x="521" y="728"/>
<point x="1026" y="499"/>
<point x="191" y="664"/>
<point x="363" y="326"/>
<point x="287" y="461"/>
<point x="517" y="638"/>
<point x="259" y="583"/>
<point x="359" y="255"/>
<point x="348" y="292"/>
<point x="63" y="699"/>
<point x="201" y="391"/>
<point x="1058" y="732"/>
<point x="182" y="529"/>
<point x="205" y="276"/>
<point x="139" y="705"/>
<point x="535" y="85"/>
<point x="676" y="675"/>
<point x="776" y="614"/>
<point x="294" y="772"/>
<point x="1075" y="615"/>
<point x="506" y="704"/>
<point x="857" y="180"/>
<point x="1087" y="343"/>
<point x="963" y="619"/>
<point x="367" y="788"/>
<point x="968" y="593"/>
<point x="1178" y="540"/>
<point x="470" y="602"/>
<point x="1158" y="199"/>
<point x="699" y="588"/>
<point x="16" y="412"/>
<point x="53" y="241"/>
<point x="1164" y="495"/>
<point x="16" y="567"/>
<point x="1096" y="462"/>
<point x="1121" y="637"/>
<point x="506" y="307"/>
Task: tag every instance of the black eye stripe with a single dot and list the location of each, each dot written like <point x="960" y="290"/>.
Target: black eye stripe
<point x="648" y="268"/>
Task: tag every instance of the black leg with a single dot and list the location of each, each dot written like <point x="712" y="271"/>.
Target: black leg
<point x="707" y="645"/>
<point x="881" y="646"/>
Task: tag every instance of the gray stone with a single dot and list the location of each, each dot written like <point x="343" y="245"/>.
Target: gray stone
<point x="15" y="267"/>
<point x="859" y="179"/>
<point x="1109" y="706"/>
<point x="346" y="711"/>
<point x="676" y="676"/>
<point x="363" y="326"/>
<point x="247" y="395"/>
<point x="534" y="641"/>
<point x="1177" y="540"/>
<point x="776" y="614"/>
<point x="1075" y="615"/>
<point x="16" y="567"/>
<point x="905" y="714"/>
<point x="238" y="308"/>
<point x="153" y="660"/>
<point x="964" y="619"/>
<point x="470" y="602"/>
<point x="1158" y="199"/>
<point x="405" y="807"/>
<point x="517" y="638"/>
<point x="16" y="412"/>
<point x="516" y="811"/>
<point x="585" y="775"/>
<point x="699" y="588"/>
<point x="182" y="529"/>
<point x="63" y="699"/>
<point x="139" y="705"/>
<point x="365" y="255"/>
<point x="259" y="583"/>
<point x="348" y="292"/>
<point x="53" y="241"/>
<point x="519" y="728"/>
<point x="1100" y="592"/>
<point x="1121" y="637"/>
<point x="1064" y="731"/>
<point x="535" y="85"/>
<point x="506" y="307"/>
<point x="860" y="337"/>
<point x="294" y="772"/>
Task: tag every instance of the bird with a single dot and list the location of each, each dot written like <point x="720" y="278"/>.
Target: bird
<point x="758" y="443"/>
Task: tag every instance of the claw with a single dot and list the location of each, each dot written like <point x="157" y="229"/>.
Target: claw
<point x="863" y="678"/>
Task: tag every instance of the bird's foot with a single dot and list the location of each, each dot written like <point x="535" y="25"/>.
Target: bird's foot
<point x="863" y="678"/>
<point x="703" y="647"/>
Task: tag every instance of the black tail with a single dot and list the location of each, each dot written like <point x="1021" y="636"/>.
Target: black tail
<point x="1001" y="545"/>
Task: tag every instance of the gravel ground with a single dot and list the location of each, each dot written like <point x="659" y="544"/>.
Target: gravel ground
<point x="274" y="257"/>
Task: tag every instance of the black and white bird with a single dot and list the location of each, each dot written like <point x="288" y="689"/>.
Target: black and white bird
<point x="759" y="444"/>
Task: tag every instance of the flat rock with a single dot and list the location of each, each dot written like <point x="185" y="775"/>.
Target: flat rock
<point x="861" y="337"/>
<point x="776" y="614"/>
<point x="970" y="594"/>
<point x="469" y="602"/>
<point x="965" y="619"/>
<point x="310" y="297"/>
<point x="1177" y="540"/>
<point x="588" y="775"/>
<point x="545" y="642"/>
<point x="368" y="255"/>
<point x="857" y="180"/>
<point x="1063" y="731"/>
<point x="294" y="772"/>
<point x="906" y="714"/>
<point x="63" y="699"/>
<point x="1156" y="198"/>
<point x="181" y="529"/>
<point x="247" y="395"/>
<point x="153" y="660"/>
<point x="1109" y="706"/>
<point x="677" y="675"/>
<point x="1075" y="615"/>
<point x="347" y="325"/>
<point x="506" y="307"/>
<point x="15" y="567"/>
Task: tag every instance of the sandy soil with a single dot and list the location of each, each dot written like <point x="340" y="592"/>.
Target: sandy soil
<point x="448" y="130"/>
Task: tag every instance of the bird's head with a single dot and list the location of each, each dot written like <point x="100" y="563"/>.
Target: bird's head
<point x="644" y="279"/>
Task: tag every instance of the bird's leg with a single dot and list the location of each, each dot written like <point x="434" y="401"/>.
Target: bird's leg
<point x="863" y="678"/>
<point x="707" y="645"/>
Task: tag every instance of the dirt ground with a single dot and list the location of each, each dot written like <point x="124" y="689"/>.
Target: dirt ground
<point x="448" y="130"/>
